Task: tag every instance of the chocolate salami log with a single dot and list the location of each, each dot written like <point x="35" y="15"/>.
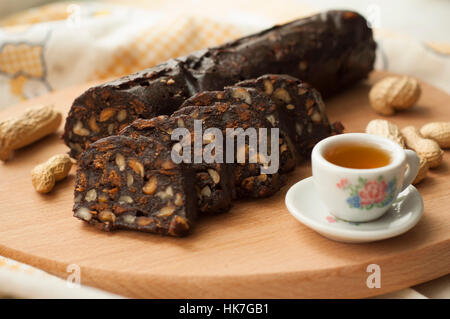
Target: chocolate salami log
<point x="330" y="51"/>
<point x="213" y="182"/>
<point x="132" y="183"/>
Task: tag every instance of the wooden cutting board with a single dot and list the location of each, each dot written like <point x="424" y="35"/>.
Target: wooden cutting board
<point x="257" y="250"/>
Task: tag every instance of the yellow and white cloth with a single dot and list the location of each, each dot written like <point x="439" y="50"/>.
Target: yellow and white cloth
<point x="65" y="43"/>
<point x="58" y="45"/>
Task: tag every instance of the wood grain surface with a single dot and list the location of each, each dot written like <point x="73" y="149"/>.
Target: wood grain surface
<point x="257" y="250"/>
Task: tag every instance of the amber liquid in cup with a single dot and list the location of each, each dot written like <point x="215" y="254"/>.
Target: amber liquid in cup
<point x="357" y="156"/>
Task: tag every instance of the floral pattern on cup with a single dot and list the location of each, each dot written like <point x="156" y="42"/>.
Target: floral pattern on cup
<point x="366" y="194"/>
<point x="333" y="219"/>
<point x="330" y="219"/>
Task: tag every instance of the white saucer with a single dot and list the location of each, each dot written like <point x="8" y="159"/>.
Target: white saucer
<point x="304" y="204"/>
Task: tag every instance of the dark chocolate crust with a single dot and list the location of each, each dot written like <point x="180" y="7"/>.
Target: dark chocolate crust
<point x="330" y="51"/>
<point x="132" y="183"/>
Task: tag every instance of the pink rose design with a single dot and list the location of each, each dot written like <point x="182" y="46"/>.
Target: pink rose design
<point x="342" y="183"/>
<point x="373" y="192"/>
<point x="330" y="219"/>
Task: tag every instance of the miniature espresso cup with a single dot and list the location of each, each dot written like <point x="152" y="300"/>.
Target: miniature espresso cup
<point x="361" y="194"/>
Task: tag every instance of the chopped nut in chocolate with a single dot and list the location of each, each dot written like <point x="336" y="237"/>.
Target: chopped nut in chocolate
<point x="213" y="178"/>
<point x="122" y="184"/>
<point x="302" y="107"/>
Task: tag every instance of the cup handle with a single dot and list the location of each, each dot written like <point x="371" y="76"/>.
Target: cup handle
<point x="413" y="161"/>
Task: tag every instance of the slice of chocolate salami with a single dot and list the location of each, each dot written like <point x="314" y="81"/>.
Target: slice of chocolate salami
<point x="213" y="181"/>
<point x="330" y="50"/>
<point x="132" y="183"/>
<point x="301" y="104"/>
<point x="260" y="103"/>
<point x="105" y="109"/>
<point x="256" y="170"/>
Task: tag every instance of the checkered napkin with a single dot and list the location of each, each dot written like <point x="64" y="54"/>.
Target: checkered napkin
<point x="62" y="44"/>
